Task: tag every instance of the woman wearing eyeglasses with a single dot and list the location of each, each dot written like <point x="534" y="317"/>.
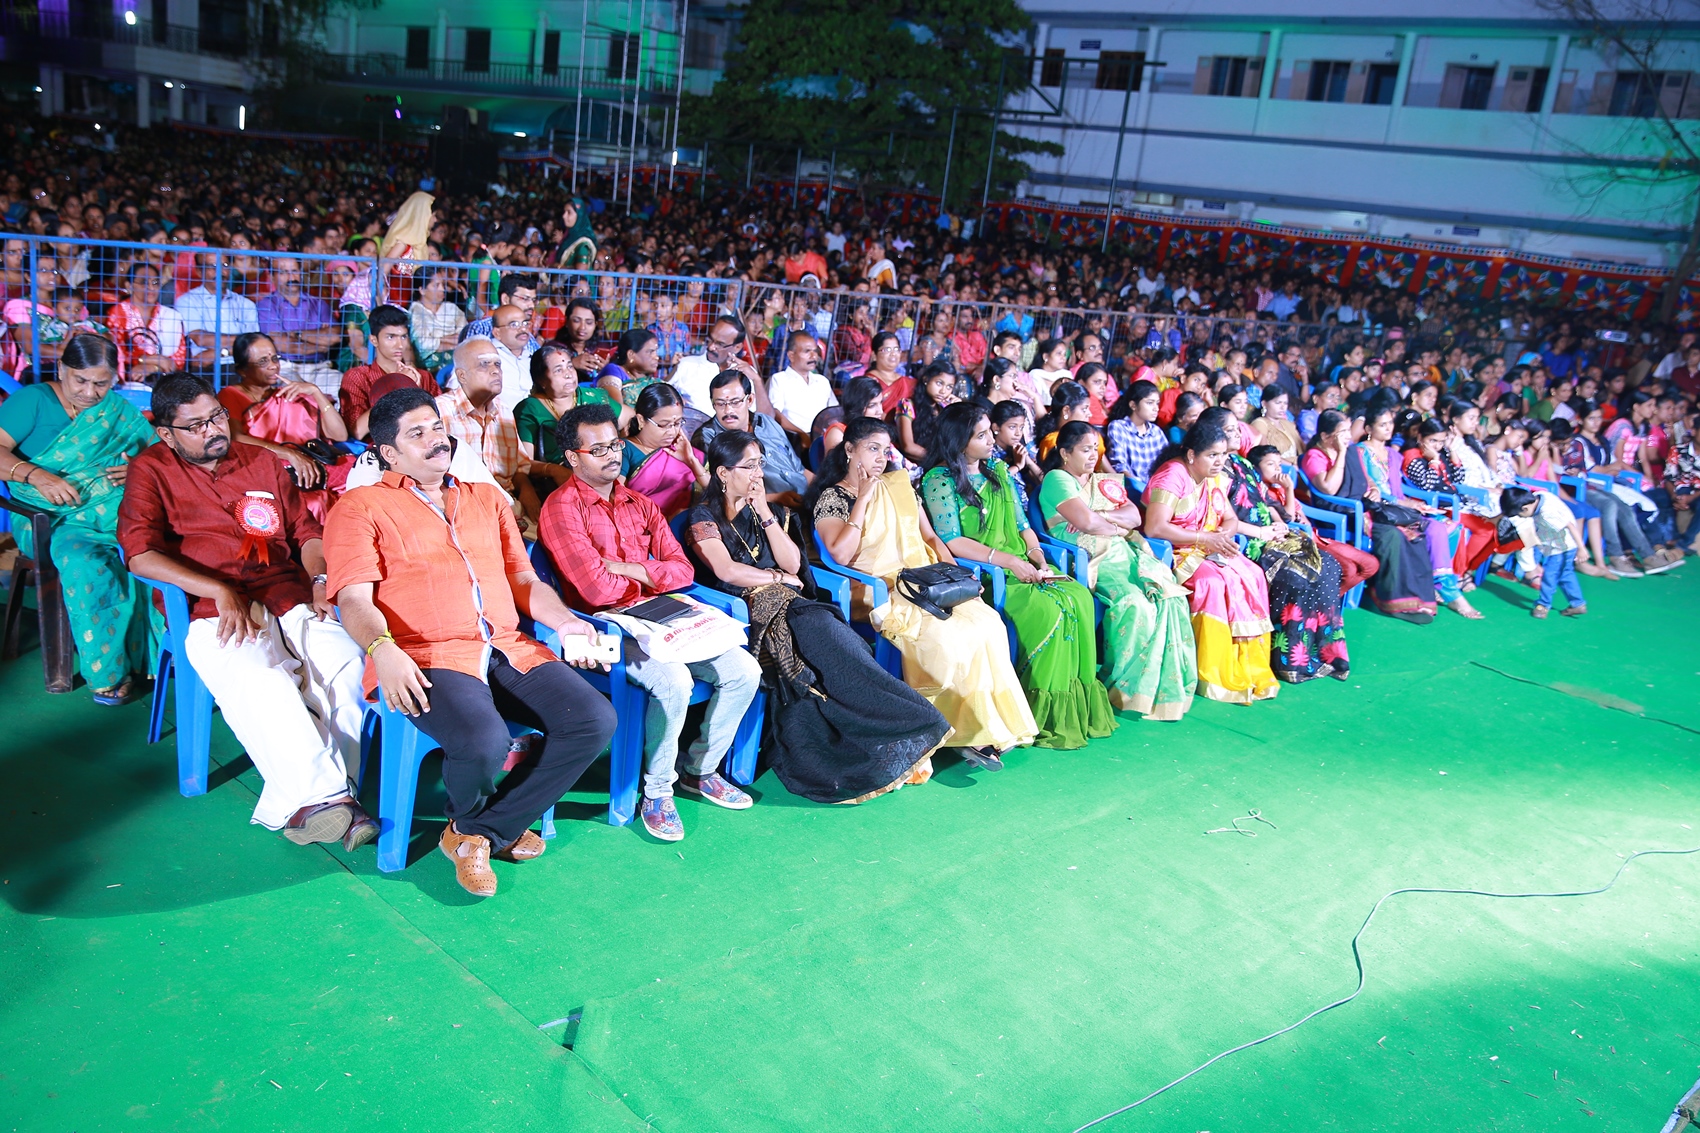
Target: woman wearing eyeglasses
<point x="844" y="729"/>
<point x="65" y="447"/>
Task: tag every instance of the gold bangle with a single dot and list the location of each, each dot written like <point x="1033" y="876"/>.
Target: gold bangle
<point x="379" y="640"/>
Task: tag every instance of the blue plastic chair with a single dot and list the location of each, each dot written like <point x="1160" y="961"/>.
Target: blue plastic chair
<point x="1350" y="509"/>
<point x="995" y="574"/>
<point x="1579" y="506"/>
<point x="142" y="399"/>
<point x="1335" y="525"/>
<point x="8" y="384"/>
<point x="886" y="655"/>
<point x="402" y="748"/>
<point x="194" y="699"/>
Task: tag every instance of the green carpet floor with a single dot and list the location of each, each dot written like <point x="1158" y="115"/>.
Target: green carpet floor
<point x="1021" y="951"/>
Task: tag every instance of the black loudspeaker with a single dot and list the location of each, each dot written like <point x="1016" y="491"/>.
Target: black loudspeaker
<point x="461" y="121"/>
<point x="463" y="165"/>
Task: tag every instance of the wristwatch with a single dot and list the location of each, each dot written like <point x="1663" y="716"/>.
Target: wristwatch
<point x="318" y="580"/>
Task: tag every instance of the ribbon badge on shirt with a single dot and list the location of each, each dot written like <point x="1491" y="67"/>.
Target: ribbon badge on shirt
<point x="258" y="516"/>
<point x="1113" y="491"/>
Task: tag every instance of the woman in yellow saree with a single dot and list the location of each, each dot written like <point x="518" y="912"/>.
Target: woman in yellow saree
<point x="871" y="521"/>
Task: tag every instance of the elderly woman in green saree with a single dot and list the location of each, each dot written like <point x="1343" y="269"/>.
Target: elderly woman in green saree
<point x="972" y="505"/>
<point x="64" y="445"/>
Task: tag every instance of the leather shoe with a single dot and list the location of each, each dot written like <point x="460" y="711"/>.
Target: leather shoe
<point x="361" y="830"/>
<point x="471" y="856"/>
<point x="527" y="846"/>
<point x="321" y="822"/>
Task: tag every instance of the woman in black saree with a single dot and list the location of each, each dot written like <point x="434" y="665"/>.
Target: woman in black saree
<point x="843" y="729"/>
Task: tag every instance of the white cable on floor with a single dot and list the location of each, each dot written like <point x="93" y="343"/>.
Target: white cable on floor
<point x="1357" y="959"/>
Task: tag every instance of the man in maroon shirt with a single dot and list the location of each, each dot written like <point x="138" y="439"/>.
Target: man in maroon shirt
<point x="225" y="522"/>
<point x="389" y="327"/>
<point x="612" y="547"/>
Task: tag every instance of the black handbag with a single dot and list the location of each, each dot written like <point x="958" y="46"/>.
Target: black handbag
<point x="939" y="587"/>
<point x="1398" y="515"/>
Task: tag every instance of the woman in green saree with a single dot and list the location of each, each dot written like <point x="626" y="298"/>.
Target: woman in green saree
<point x="64" y="445"/>
<point x="578" y="247"/>
<point x="1152" y="667"/>
<point x="972" y="505"/>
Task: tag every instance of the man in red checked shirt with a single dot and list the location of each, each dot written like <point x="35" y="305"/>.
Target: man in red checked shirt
<point x="612" y="547"/>
<point x="225" y="522"/>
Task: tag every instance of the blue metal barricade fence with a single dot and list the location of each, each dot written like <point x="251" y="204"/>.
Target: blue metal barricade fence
<point x="306" y="297"/>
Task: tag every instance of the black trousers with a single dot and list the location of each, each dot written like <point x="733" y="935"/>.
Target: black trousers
<point x="468" y="720"/>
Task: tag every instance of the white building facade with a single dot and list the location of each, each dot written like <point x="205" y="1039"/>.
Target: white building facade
<point x="1486" y="122"/>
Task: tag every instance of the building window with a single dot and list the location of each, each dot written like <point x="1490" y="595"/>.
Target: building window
<point x="1051" y="67"/>
<point x="1644" y="94"/>
<point x="1328" y="79"/>
<point x="161" y="20"/>
<point x="1466" y="88"/>
<point x="551" y="53"/>
<point x="478" y="50"/>
<point x="1119" y="70"/>
<point x="418" y="49"/>
<point x="1378" y="89"/>
<point x="1227" y="75"/>
<point x="1525" y="89"/>
<point x="623" y="56"/>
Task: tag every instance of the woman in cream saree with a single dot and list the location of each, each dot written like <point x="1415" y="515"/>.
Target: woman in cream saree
<point x="871" y="521"/>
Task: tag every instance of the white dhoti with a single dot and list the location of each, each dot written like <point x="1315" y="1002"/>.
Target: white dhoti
<point x="293" y="698"/>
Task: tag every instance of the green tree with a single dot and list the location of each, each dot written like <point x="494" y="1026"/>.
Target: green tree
<point x="878" y="83"/>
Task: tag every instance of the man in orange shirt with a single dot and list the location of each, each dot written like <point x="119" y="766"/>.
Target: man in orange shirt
<point x="431" y="577"/>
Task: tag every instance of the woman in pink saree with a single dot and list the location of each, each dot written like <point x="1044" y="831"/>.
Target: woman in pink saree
<point x="660" y="462"/>
<point x="1187" y="504"/>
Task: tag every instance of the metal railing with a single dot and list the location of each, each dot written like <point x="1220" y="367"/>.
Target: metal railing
<point x="106" y="27"/>
<point x="393" y="69"/>
<point x="843" y="321"/>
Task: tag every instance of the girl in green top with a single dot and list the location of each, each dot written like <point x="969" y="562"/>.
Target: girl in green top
<point x="972" y="505"/>
<point x="554" y="390"/>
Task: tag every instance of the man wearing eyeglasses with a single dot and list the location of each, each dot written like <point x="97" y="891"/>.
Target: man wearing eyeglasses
<point x="612" y="547"/>
<point x="692" y="376"/>
<point x="731" y="396"/>
<point x="224" y="522"/>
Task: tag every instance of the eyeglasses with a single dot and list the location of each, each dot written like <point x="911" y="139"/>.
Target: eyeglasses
<point x="601" y="451"/>
<point x="263" y="360"/>
<point x="748" y="466"/>
<point x="733" y="403"/>
<point x="203" y="426"/>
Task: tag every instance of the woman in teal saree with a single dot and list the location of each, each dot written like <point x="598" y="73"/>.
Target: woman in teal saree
<point x="64" y="446"/>
<point x="972" y="505"/>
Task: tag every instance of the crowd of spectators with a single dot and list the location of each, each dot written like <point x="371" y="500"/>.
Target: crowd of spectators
<point x="1172" y="479"/>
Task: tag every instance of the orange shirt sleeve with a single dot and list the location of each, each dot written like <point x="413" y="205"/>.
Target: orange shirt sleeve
<point x="351" y="545"/>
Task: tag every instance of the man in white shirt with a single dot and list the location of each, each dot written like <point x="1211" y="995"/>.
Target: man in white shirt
<point x="202" y="313"/>
<point x="691" y="377"/>
<point x="510" y="330"/>
<point x="797" y="392"/>
<point x="1150" y="282"/>
<point x="1675" y="358"/>
<point x="835" y="238"/>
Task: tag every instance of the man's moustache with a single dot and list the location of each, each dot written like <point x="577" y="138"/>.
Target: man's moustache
<point x="438" y="451"/>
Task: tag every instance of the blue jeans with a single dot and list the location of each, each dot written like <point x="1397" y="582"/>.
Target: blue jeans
<point x="1559" y="571"/>
<point x="1619" y="529"/>
<point x="736" y="677"/>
